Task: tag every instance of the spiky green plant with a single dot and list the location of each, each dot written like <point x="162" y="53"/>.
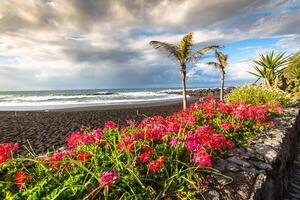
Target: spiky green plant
<point x="183" y="53"/>
<point x="221" y="64"/>
<point x="292" y="71"/>
<point x="270" y="67"/>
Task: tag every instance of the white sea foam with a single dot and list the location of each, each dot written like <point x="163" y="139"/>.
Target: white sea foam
<point x="48" y="100"/>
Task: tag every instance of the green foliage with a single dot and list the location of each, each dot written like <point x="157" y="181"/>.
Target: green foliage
<point x="293" y="69"/>
<point x="181" y="149"/>
<point x="270" y="67"/>
<point x="222" y="61"/>
<point x="294" y="88"/>
<point x="182" y="53"/>
<point x="252" y="94"/>
<point x="220" y="65"/>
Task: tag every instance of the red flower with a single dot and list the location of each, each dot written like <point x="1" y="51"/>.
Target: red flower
<point x="75" y="139"/>
<point x="83" y="156"/>
<point x="58" y="156"/>
<point x="20" y="178"/>
<point x="127" y="142"/>
<point x="110" y="125"/>
<point x="271" y="124"/>
<point x="226" y="125"/>
<point x="155" y="165"/>
<point x="202" y="158"/>
<point x="3" y="158"/>
<point x="6" y="150"/>
<point x="108" y="177"/>
<point x="145" y="157"/>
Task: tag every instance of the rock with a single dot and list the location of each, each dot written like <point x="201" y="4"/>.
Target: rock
<point x="232" y="167"/>
<point x="261" y="165"/>
<point x="267" y="152"/>
<point x="239" y="162"/>
<point x="221" y="165"/>
<point x="212" y="195"/>
<point x="250" y="171"/>
<point x="243" y="194"/>
<point x="236" y="151"/>
<point x="223" y="180"/>
<point x="260" y="179"/>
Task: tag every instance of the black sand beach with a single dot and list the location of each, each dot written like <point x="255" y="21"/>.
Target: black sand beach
<point x="47" y="129"/>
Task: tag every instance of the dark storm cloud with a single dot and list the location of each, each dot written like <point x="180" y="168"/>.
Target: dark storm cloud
<point x="95" y="55"/>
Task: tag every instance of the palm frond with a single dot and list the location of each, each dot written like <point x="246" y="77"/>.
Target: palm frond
<point x="170" y="49"/>
<point x="198" y="54"/>
<point x="216" y="65"/>
<point x="186" y="45"/>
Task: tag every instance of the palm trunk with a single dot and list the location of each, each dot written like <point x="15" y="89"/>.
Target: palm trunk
<point x="183" y="76"/>
<point x="222" y="85"/>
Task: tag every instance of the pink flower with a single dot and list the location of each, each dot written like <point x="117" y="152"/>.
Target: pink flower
<point x="108" y="177"/>
<point x="75" y="139"/>
<point x="97" y="133"/>
<point x="110" y="125"/>
<point x="127" y="142"/>
<point x="57" y="156"/>
<point x="174" y="142"/>
<point x="145" y="157"/>
<point x="87" y="139"/>
<point x="202" y="158"/>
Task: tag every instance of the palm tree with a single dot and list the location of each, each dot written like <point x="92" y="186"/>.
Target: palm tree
<point x="221" y="64"/>
<point x="183" y="54"/>
<point x="270" y="67"/>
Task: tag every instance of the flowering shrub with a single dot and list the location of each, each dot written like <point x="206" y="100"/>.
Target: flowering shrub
<point x="252" y="94"/>
<point x="156" y="158"/>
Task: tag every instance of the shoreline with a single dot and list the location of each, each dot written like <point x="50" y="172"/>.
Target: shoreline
<point x="81" y="106"/>
<point x="46" y="130"/>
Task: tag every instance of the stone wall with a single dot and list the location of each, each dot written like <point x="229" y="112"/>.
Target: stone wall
<point x="260" y="171"/>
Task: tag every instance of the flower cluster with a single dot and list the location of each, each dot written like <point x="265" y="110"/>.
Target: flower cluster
<point x="20" y="178"/>
<point x="6" y="150"/>
<point x="141" y="153"/>
<point x="78" y="138"/>
<point x="155" y="165"/>
<point x="108" y="177"/>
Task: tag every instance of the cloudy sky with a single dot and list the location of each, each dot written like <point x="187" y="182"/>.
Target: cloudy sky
<point x="71" y="44"/>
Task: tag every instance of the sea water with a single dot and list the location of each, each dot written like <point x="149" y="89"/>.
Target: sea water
<point x="57" y="99"/>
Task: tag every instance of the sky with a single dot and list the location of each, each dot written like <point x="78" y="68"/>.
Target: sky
<point x="80" y="44"/>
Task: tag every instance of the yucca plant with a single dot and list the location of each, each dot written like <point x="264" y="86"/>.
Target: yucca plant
<point x="221" y="64"/>
<point x="292" y="71"/>
<point x="183" y="53"/>
<point x="270" y="67"/>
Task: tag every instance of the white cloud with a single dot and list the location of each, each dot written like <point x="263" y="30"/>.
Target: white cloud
<point x="292" y="43"/>
<point x="58" y="43"/>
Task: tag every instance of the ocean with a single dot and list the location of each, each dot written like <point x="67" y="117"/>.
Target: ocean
<point x="57" y="99"/>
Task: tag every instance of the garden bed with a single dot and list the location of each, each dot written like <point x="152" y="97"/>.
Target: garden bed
<point x="212" y="149"/>
<point x="260" y="171"/>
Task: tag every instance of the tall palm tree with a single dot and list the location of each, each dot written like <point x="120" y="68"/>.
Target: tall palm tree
<point x="221" y="64"/>
<point x="183" y="54"/>
<point x="270" y="67"/>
